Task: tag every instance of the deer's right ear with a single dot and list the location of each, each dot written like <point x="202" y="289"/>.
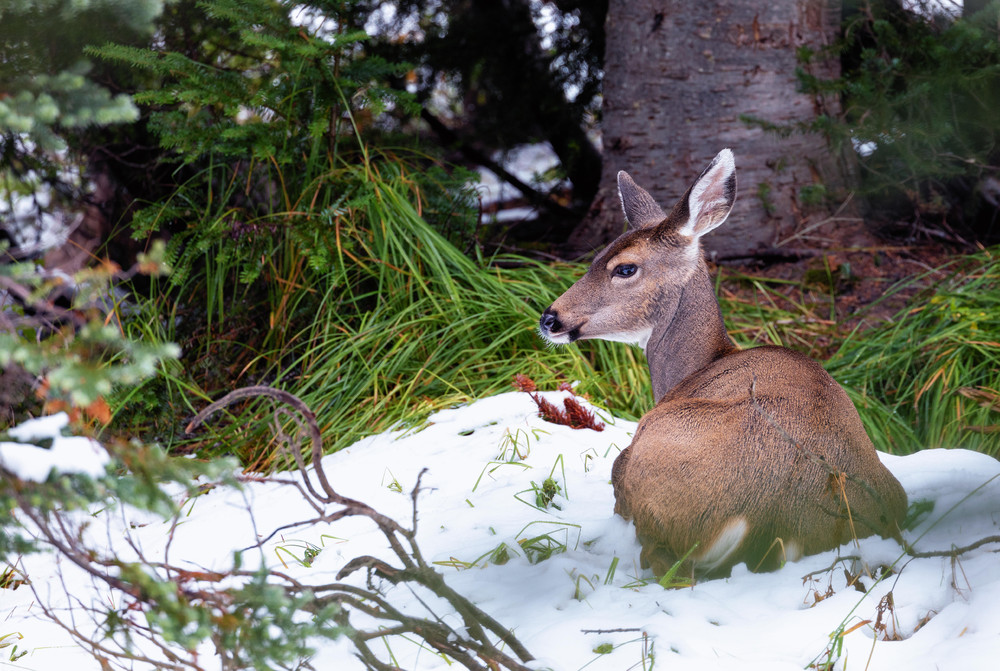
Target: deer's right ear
<point x="641" y="211"/>
<point x="711" y="197"/>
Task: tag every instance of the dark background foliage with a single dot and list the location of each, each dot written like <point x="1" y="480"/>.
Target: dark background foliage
<point x="308" y="165"/>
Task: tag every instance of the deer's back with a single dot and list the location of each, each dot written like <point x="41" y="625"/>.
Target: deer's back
<point x="760" y="445"/>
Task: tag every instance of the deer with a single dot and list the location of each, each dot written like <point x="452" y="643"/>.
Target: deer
<point x="752" y="456"/>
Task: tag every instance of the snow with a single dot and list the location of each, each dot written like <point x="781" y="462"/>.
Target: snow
<point x="34" y="220"/>
<point x="526" y="162"/>
<point x="481" y="461"/>
<point x="68" y="454"/>
<point x="931" y="8"/>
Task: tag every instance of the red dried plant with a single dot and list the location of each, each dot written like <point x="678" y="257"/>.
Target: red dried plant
<point x="574" y="416"/>
<point x="524" y="383"/>
<point x="579" y="417"/>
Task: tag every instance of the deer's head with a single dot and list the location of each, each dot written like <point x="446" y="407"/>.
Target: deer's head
<point x="637" y="280"/>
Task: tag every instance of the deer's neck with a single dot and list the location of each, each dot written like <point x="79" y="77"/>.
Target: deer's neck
<point x="690" y="338"/>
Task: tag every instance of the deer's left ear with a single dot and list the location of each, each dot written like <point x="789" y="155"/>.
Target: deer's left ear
<point x="711" y="197"/>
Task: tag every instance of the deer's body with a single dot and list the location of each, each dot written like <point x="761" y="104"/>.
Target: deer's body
<point x="753" y="456"/>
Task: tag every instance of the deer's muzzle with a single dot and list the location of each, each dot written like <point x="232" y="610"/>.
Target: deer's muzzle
<point x="553" y="330"/>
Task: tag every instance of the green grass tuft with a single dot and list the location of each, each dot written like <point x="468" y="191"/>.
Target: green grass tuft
<point x="395" y="324"/>
<point x="930" y="377"/>
<point x="383" y="321"/>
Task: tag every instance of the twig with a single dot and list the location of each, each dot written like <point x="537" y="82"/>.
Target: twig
<point x="402" y="542"/>
<point x="532" y="195"/>
<point x="954" y="552"/>
<point x="819" y="460"/>
<point x="832" y="218"/>
<point x="479" y="644"/>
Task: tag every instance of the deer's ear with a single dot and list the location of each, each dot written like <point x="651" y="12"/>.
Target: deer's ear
<point x="711" y="197"/>
<point x="641" y="211"/>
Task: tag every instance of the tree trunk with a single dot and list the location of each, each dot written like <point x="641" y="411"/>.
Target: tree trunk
<point x="680" y="80"/>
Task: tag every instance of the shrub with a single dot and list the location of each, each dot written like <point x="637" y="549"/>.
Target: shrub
<point x="929" y="377"/>
<point x="919" y="99"/>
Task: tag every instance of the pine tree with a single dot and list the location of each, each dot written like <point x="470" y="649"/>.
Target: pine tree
<point x="44" y="87"/>
<point x="48" y="94"/>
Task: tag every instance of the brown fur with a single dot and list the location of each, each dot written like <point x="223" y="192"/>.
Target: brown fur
<point x="711" y="451"/>
<point x="756" y="451"/>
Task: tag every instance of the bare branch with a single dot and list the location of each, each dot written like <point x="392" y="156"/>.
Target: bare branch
<point x="821" y="461"/>
<point x="414" y="570"/>
<point x="954" y="552"/>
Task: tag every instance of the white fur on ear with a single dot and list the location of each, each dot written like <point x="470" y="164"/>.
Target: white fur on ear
<point x="712" y="196"/>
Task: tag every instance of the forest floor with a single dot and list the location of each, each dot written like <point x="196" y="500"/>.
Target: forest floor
<point x="852" y="267"/>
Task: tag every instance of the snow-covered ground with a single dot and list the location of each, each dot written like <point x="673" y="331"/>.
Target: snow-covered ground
<point x="477" y="494"/>
<point x="527" y="163"/>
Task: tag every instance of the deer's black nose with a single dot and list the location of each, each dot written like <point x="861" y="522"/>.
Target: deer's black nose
<point x="549" y="323"/>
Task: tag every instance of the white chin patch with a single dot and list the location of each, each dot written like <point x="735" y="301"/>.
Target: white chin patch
<point x="559" y="339"/>
<point x="639" y="338"/>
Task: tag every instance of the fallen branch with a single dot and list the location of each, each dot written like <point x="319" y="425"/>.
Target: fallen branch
<point x="954" y="552"/>
<point x="164" y="613"/>
<point x="472" y="647"/>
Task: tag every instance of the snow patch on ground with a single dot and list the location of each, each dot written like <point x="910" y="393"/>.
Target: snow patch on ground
<point x="481" y="461"/>
<point x="67" y="454"/>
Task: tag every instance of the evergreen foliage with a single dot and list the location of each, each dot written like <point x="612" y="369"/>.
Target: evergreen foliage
<point x="44" y="71"/>
<point x="253" y="622"/>
<point x="920" y="95"/>
<point x="77" y="355"/>
<point x="267" y="120"/>
<point x="275" y="92"/>
<point x="537" y="80"/>
<point x="275" y="128"/>
<point x="51" y="95"/>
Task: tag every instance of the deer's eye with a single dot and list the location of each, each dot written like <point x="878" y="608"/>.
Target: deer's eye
<point x="625" y="270"/>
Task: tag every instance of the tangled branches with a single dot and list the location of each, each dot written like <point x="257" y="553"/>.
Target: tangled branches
<point x="150" y="608"/>
<point x="473" y="646"/>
